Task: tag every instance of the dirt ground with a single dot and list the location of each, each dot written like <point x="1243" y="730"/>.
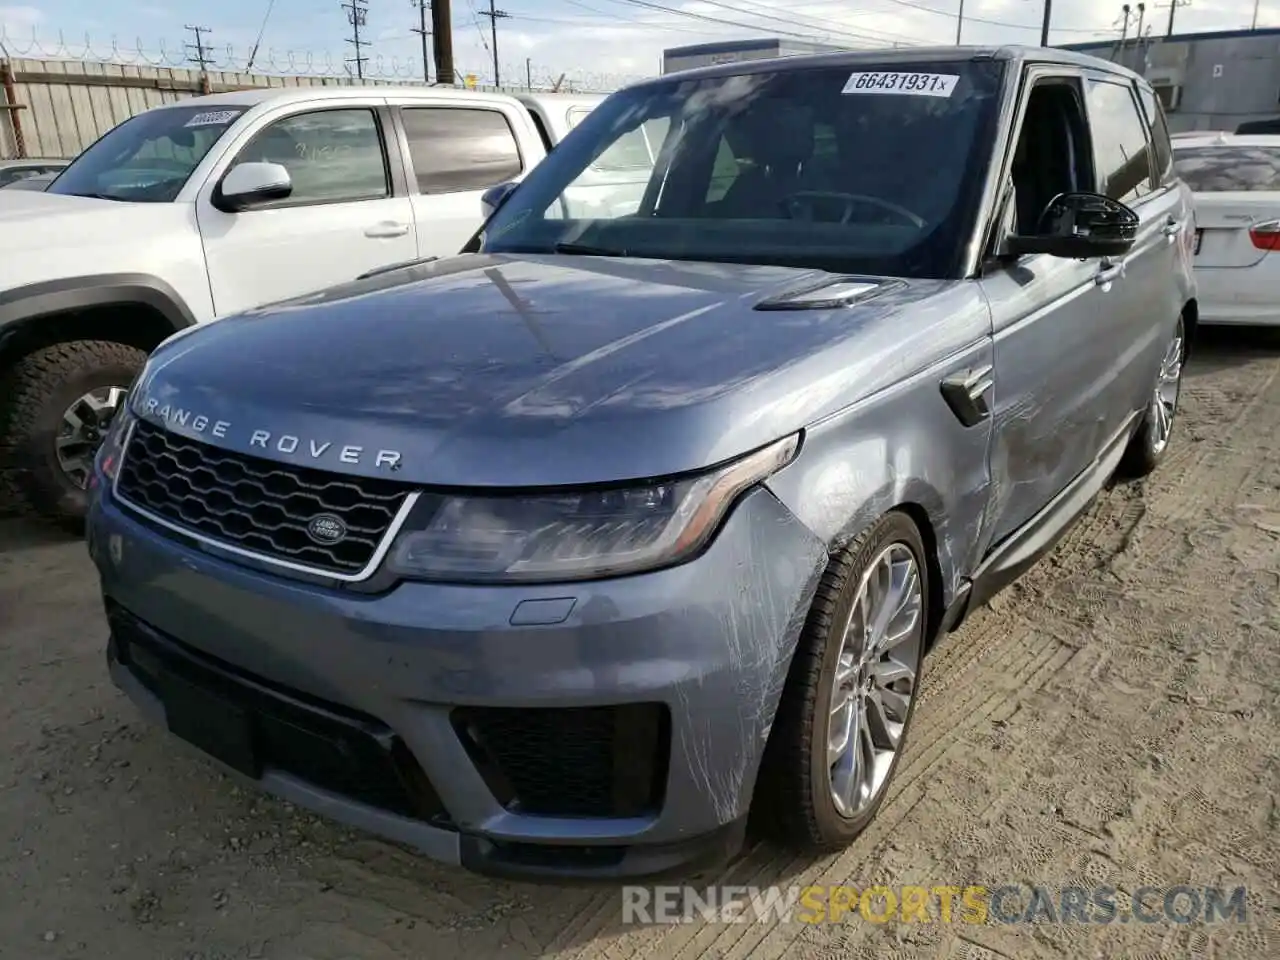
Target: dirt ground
<point x="1111" y="719"/>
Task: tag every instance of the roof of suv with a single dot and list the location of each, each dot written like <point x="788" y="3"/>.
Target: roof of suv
<point x="855" y="58"/>
<point x="281" y="95"/>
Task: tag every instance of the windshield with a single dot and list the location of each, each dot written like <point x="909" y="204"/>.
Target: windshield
<point x="1229" y="168"/>
<point x="148" y="158"/>
<point x="878" y="171"/>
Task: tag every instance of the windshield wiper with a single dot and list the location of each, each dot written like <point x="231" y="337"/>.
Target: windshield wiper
<point x="587" y="250"/>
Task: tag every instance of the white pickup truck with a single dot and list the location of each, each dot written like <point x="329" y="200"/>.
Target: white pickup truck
<point x="215" y="205"/>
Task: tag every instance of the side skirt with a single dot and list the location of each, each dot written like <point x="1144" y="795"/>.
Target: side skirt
<point x="1018" y="552"/>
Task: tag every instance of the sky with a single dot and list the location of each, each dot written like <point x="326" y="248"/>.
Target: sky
<point x="598" y="43"/>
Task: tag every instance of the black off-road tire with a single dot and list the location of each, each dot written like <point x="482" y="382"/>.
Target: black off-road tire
<point x="792" y="803"/>
<point x="35" y="394"/>
<point x="1142" y="455"/>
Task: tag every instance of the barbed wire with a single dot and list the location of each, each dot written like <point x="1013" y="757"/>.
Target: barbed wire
<point x="226" y="58"/>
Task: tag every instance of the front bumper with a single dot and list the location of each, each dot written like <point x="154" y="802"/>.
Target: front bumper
<point x="593" y="730"/>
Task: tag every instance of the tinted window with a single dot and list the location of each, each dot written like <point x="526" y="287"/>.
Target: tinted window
<point x="1227" y="168"/>
<point x="149" y="157"/>
<point x="331" y="155"/>
<point x="760" y="168"/>
<point x="457" y="149"/>
<point x="1119" y="141"/>
<point x="1162" y="150"/>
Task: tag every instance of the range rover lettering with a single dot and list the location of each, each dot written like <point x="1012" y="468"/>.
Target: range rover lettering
<point x="659" y="504"/>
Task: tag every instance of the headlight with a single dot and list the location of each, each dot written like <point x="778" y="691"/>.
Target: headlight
<point x="576" y="535"/>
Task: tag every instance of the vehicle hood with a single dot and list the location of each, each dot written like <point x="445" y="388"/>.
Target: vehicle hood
<point x="542" y="370"/>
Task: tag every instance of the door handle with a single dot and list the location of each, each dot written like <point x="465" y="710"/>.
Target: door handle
<point x="1108" y="272"/>
<point x="386" y="230"/>
<point x="1172" y="227"/>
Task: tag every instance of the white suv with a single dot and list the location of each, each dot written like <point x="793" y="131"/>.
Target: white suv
<point x="215" y="205"/>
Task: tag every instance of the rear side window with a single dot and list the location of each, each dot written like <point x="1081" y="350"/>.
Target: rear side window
<point x="1229" y="168"/>
<point x="457" y="149"/>
<point x="1120" y="141"/>
<point x="1161" y="149"/>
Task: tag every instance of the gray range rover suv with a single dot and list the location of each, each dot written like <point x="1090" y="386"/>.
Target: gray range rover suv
<point x="561" y="557"/>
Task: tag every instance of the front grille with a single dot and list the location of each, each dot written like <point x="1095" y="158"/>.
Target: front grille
<point x="572" y="761"/>
<point x="253" y="725"/>
<point x="254" y="503"/>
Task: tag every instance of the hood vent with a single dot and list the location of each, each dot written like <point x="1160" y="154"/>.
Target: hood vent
<point x="831" y="293"/>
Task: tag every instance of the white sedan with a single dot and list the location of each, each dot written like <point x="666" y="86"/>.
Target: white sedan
<point x="1236" y="181"/>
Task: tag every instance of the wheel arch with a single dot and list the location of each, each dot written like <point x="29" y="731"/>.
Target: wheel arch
<point x="1191" y="323"/>
<point x="135" y="309"/>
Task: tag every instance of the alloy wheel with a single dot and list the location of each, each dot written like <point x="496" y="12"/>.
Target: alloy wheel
<point x="1164" y="403"/>
<point x="875" y="679"/>
<point x="83" y="427"/>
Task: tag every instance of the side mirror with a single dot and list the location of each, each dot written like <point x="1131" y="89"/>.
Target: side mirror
<point x="249" y="184"/>
<point x="495" y="197"/>
<point x="1079" y="226"/>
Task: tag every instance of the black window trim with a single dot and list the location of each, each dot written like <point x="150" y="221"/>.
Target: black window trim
<point x="411" y="175"/>
<point x="1154" y="188"/>
<point x="394" y="184"/>
<point x="1161" y="179"/>
<point x="1032" y="74"/>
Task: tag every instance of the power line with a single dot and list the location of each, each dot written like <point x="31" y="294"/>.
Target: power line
<point x="357" y="15"/>
<point x="201" y="57"/>
<point x="494" y="15"/>
<point x="424" y="11"/>
<point x="833" y="28"/>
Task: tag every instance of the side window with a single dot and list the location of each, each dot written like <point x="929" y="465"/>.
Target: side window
<point x="1161" y="148"/>
<point x="1120" y="141"/>
<point x="331" y="155"/>
<point x="456" y="149"/>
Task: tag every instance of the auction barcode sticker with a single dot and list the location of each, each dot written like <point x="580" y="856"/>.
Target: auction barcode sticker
<point x="903" y="84"/>
<point x="211" y="119"/>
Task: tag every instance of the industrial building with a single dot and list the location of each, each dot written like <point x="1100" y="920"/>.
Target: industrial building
<point x="1206" y="81"/>
<point x="732" y="51"/>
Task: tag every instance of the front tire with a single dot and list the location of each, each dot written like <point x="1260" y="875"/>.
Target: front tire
<point x="59" y="403"/>
<point x="1149" y="443"/>
<point x="851" y="692"/>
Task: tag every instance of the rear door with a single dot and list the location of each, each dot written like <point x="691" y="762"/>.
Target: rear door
<point x="1237" y="196"/>
<point x="1144" y="315"/>
<point x="454" y="153"/>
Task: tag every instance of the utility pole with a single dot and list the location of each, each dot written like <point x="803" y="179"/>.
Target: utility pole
<point x="959" y="22"/>
<point x="200" y="55"/>
<point x="1044" y="24"/>
<point x="1173" y="8"/>
<point x="528" y="73"/>
<point x="424" y="11"/>
<point x="494" y="16"/>
<point x="357" y="15"/>
<point x="1142" y="18"/>
<point x="442" y="39"/>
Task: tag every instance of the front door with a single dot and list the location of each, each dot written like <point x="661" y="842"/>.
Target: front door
<point x="344" y="217"/>
<point x="1054" y="320"/>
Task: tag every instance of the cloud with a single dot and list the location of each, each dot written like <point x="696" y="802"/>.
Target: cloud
<point x="20" y="19"/>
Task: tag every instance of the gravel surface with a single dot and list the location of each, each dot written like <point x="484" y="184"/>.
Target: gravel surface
<point x="1111" y="719"/>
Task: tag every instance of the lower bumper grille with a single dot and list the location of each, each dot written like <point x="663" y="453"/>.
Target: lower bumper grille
<point x="571" y="762"/>
<point x="253" y="726"/>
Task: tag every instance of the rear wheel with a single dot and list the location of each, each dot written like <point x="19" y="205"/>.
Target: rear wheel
<point x="851" y="692"/>
<point x="59" y="403"/>
<point x="1149" y="444"/>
